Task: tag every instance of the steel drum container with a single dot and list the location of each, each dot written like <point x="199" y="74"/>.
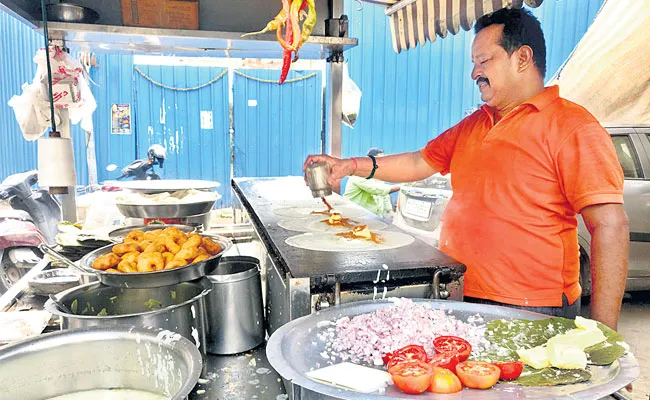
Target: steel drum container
<point x="150" y="361"/>
<point x="179" y="308"/>
<point x="235" y="309"/>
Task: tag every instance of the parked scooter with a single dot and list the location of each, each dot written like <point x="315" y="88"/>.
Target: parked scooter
<point x="28" y="217"/>
<point x="140" y="169"/>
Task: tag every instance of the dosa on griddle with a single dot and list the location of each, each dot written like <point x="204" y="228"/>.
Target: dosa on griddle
<point x="320" y="226"/>
<point x="331" y="242"/>
<point x="299" y="224"/>
<point x="303" y="212"/>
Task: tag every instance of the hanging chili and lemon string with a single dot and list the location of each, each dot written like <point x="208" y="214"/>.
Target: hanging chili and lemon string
<point x="290" y="17"/>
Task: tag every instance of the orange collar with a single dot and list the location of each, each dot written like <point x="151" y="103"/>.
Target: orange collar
<point x="544" y="98"/>
<point x="539" y="101"/>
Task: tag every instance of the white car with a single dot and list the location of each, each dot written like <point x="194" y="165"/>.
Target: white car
<point x="420" y="206"/>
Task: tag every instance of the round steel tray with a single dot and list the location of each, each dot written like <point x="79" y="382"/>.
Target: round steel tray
<point x="147" y="279"/>
<point x="165" y="210"/>
<point x="164" y="185"/>
<point x="294" y="349"/>
<point x="118" y="235"/>
<point x="53" y="281"/>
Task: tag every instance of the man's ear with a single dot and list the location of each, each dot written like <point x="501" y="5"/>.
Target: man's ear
<point x="524" y="58"/>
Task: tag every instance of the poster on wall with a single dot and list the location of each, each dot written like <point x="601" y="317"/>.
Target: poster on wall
<point x="121" y="119"/>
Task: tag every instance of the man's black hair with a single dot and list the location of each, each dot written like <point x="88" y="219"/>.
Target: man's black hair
<point x="520" y="28"/>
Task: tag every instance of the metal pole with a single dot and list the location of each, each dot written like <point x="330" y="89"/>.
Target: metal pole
<point x="68" y="200"/>
<point x="91" y="158"/>
<point x="335" y="108"/>
<point x="335" y="28"/>
<point x="336" y="8"/>
<point x="49" y="68"/>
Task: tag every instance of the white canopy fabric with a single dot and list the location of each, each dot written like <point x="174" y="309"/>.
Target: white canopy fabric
<point x="608" y="73"/>
<point x="415" y="22"/>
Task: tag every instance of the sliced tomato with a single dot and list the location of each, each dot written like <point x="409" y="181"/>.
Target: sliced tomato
<point x="510" y="370"/>
<point x="444" y="360"/>
<point x="444" y="381"/>
<point x="413" y="352"/>
<point x="386" y="357"/>
<point x="449" y="344"/>
<point x="409" y="353"/>
<point x="412" y="377"/>
<point x="478" y="374"/>
<point x="397" y="360"/>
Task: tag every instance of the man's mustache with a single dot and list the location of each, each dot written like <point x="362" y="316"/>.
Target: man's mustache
<point x="482" y="80"/>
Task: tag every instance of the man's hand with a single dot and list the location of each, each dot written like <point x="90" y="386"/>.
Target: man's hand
<point x="339" y="168"/>
<point x="404" y="167"/>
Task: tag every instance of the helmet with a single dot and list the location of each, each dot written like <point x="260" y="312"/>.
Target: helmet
<point x="157" y="153"/>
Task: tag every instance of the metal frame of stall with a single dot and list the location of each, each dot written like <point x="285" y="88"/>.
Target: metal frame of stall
<point x="120" y="39"/>
<point x="230" y="44"/>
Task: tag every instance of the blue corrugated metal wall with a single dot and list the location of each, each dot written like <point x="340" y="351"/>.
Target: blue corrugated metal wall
<point x="411" y="97"/>
<point x="173" y="119"/>
<point x="276" y="126"/>
<point x="407" y="99"/>
<point x="18" y="45"/>
<point x="114" y="75"/>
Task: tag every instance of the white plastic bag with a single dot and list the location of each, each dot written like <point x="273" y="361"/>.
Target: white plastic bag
<point x="70" y="88"/>
<point x="23" y="105"/>
<point x="70" y="91"/>
<point x="351" y="99"/>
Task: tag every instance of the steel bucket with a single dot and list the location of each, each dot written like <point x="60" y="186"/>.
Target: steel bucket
<point x="153" y="361"/>
<point x="235" y="310"/>
<point x="179" y="308"/>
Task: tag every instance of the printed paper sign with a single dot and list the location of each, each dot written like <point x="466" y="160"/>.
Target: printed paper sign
<point x="206" y="120"/>
<point x="121" y="119"/>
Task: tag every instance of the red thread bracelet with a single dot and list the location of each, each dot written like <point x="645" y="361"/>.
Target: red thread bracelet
<point x="355" y="165"/>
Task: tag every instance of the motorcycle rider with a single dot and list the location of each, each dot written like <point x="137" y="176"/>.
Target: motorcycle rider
<point x="156" y="155"/>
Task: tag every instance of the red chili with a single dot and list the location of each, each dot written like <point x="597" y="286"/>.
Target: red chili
<point x="278" y="32"/>
<point x="289" y="39"/>
<point x="286" y="54"/>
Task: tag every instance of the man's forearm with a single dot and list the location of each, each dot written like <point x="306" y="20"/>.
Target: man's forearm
<point x="609" y="257"/>
<point x="405" y="167"/>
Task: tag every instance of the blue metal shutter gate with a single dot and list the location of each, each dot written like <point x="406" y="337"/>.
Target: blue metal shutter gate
<point x="189" y="117"/>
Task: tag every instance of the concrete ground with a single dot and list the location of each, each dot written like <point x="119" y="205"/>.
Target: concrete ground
<point x="634" y="325"/>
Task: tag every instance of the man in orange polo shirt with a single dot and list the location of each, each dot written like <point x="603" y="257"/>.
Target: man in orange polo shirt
<point x="522" y="167"/>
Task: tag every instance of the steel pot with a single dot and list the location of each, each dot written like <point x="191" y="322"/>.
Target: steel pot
<point x="53" y="281"/>
<point x="154" y="361"/>
<point x="66" y="12"/>
<point x="179" y="308"/>
<point x="235" y="310"/>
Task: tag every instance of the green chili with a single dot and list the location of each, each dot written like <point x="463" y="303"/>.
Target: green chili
<point x="308" y="25"/>
<point x="272" y="25"/>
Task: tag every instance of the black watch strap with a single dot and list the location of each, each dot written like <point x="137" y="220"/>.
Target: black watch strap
<point x="374" y="167"/>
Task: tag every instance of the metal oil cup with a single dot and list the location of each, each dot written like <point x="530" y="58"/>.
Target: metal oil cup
<point x="317" y="174"/>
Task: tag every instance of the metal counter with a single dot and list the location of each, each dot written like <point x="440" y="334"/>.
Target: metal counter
<point x="238" y="377"/>
<point x="299" y="282"/>
<point x="260" y="195"/>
